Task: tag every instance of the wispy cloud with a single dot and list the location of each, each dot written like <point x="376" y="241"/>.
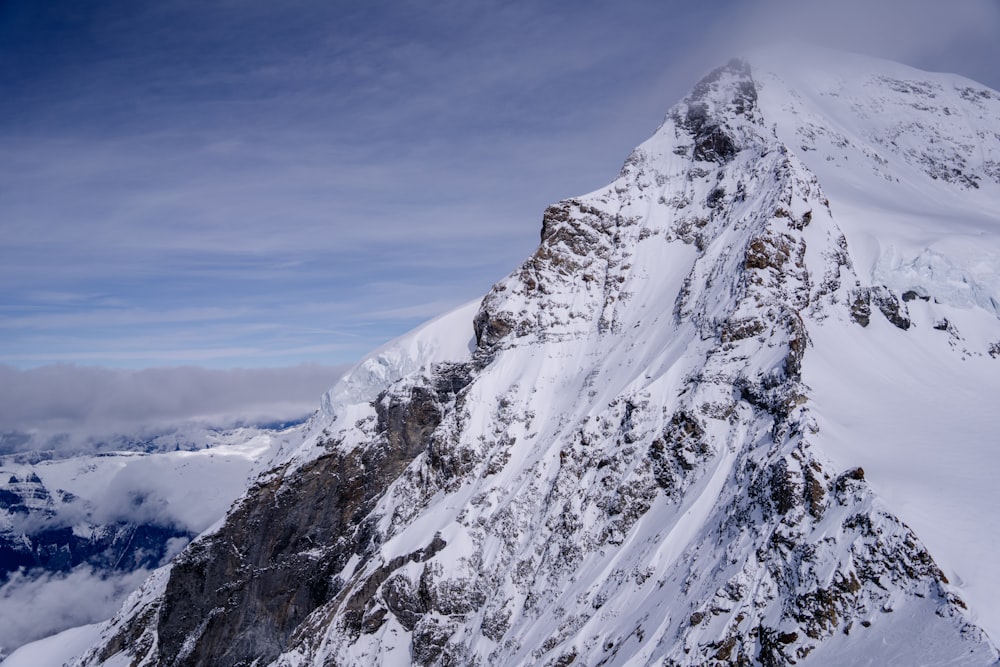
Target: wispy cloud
<point x="924" y="33"/>
<point x="172" y="170"/>
<point x="162" y="159"/>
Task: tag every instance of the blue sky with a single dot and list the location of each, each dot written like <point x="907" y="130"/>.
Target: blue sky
<point x="248" y="183"/>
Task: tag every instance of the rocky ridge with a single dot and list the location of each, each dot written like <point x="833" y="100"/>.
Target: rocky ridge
<point x="620" y="468"/>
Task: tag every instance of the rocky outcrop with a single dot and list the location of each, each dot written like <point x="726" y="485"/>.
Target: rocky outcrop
<point x="725" y="93"/>
<point x="237" y="596"/>
<point x="885" y="300"/>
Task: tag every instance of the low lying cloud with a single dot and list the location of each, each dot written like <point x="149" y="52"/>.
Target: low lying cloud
<point x="66" y="406"/>
<point x="34" y="605"/>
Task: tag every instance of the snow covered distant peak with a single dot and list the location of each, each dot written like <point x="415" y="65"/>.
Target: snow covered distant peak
<point x="650" y="454"/>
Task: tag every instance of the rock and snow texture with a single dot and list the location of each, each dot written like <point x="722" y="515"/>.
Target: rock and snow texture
<point x="659" y="440"/>
<point x="914" y="407"/>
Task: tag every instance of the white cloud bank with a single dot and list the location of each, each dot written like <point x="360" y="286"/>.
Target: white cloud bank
<point x="33" y="605"/>
<point x="67" y="406"/>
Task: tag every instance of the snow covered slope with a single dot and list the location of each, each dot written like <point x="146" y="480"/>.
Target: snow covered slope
<point x="687" y="430"/>
<point x="911" y="163"/>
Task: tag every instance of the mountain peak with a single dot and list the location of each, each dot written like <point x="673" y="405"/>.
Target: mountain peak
<point x="637" y="449"/>
<point x="726" y="93"/>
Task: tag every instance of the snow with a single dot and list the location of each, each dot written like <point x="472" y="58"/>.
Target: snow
<point x="973" y="283"/>
<point x="873" y="132"/>
<point x="694" y="516"/>
<point x="909" y="225"/>
<point x="59" y="649"/>
<point x="446" y="338"/>
<point x="917" y="408"/>
<point x="900" y="638"/>
<point x="189" y="489"/>
<point x="645" y="322"/>
<point x="921" y="420"/>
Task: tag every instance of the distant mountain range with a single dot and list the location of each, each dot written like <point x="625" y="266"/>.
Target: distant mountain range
<point x="112" y="513"/>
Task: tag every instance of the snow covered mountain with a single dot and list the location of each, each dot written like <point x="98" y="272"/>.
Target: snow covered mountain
<point x="737" y="408"/>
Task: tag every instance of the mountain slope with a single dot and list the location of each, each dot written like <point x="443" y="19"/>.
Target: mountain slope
<point x="636" y="450"/>
<point x="914" y="407"/>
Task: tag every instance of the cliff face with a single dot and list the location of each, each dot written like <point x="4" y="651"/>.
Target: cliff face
<point x="612" y="459"/>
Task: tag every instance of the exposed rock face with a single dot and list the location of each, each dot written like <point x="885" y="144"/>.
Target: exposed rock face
<point x="237" y="596"/>
<point x="883" y="299"/>
<point x="622" y="471"/>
